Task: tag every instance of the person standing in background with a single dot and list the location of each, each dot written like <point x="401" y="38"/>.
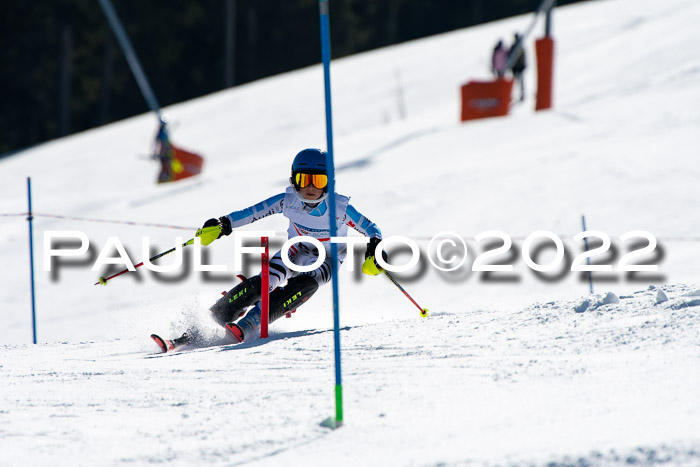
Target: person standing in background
<point x="519" y="63"/>
<point x="499" y="59"/>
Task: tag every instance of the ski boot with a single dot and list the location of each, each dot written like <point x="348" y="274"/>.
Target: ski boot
<point x="249" y="325"/>
<point x="283" y="301"/>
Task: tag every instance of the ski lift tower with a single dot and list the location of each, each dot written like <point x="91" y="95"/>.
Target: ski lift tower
<point x="176" y="163"/>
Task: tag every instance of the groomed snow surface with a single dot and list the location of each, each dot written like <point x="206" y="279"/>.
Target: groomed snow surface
<point x="509" y="368"/>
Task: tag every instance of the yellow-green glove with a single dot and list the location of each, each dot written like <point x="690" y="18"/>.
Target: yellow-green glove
<point x="213" y="229"/>
<point x="370" y="266"/>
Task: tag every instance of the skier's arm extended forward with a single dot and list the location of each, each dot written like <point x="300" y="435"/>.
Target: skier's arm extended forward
<point x="357" y="221"/>
<point x="225" y="224"/>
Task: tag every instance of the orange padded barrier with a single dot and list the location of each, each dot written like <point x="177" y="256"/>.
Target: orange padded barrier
<point x="545" y="70"/>
<point x="482" y="99"/>
<point x="180" y="164"/>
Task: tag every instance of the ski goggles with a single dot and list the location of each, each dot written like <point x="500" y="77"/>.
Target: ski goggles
<point x="302" y="180"/>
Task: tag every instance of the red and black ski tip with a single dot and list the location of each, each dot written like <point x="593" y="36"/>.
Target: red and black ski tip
<point x="235" y="331"/>
<point x="164" y="344"/>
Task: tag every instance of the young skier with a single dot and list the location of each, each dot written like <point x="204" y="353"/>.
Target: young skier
<point x="305" y="204"/>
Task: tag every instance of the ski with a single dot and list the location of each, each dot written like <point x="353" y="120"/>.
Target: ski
<point x="249" y="326"/>
<point x="168" y="345"/>
<point x="235" y="331"/>
<point x="164" y="344"/>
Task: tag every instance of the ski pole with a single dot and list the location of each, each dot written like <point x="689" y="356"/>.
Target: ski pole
<point x="207" y="235"/>
<point x="423" y="311"/>
<point x="103" y="280"/>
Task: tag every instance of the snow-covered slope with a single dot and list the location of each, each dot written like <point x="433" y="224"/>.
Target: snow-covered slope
<point x="611" y="386"/>
<point x="505" y="370"/>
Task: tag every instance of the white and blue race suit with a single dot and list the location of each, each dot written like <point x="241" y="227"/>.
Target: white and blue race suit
<point x="311" y="220"/>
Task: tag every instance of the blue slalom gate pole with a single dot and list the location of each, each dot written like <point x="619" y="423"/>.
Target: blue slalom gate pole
<point x="31" y="254"/>
<point x="326" y="56"/>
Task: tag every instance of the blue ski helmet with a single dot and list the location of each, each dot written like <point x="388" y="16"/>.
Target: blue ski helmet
<point x="309" y="161"/>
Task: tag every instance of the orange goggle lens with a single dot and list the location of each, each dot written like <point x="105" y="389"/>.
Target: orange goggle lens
<point x="303" y="180"/>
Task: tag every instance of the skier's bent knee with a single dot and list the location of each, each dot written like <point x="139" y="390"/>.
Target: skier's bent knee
<point x="230" y="307"/>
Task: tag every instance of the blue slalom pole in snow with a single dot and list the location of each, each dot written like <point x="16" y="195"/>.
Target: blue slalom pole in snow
<point x="31" y="254"/>
<point x="326" y="56"/>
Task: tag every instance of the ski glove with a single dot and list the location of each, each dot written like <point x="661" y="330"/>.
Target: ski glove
<point x="226" y="228"/>
<point x="214" y="229"/>
<point x="223" y="221"/>
<point x="370" y="266"/>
